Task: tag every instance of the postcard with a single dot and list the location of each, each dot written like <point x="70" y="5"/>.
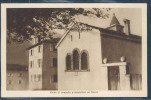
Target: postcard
<point x="74" y="50"/>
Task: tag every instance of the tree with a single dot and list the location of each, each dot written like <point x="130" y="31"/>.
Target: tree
<point x="24" y="22"/>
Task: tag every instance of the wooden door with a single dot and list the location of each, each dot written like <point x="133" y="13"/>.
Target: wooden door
<point x="113" y="78"/>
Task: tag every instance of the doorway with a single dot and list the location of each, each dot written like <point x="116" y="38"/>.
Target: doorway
<point x="113" y="78"/>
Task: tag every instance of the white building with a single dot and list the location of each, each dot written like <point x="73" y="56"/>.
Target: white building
<point x="43" y="65"/>
<point x="100" y="59"/>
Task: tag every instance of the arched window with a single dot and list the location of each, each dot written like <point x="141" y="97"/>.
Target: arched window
<point x="68" y="62"/>
<point x="75" y="60"/>
<point x="84" y="61"/>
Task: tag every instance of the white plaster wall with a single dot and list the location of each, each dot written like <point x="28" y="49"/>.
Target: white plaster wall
<point x="35" y="70"/>
<point x="96" y="78"/>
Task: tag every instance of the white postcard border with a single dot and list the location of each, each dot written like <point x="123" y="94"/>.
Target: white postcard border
<point x="88" y="93"/>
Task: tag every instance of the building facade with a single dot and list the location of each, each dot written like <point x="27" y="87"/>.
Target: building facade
<point x="16" y="77"/>
<point x="100" y="59"/>
<point x="43" y="65"/>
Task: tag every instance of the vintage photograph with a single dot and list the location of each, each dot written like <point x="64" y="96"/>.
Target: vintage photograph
<point x="74" y="48"/>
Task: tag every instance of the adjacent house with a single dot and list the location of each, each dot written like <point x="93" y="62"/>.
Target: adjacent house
<point x="43" y="64"/>
<point x="17" y="77"/>
<point x="100" y="59"/>
<point x="17" y="66"/>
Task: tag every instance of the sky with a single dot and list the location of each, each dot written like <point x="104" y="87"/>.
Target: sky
<point x="133" y="14"/>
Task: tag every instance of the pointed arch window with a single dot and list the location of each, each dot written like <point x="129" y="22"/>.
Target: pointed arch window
<point x="75" y="60"/>
<point x="68" y="62"/>
<point x="84" y="61"/>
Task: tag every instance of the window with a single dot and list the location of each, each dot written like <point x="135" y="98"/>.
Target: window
<point x="9" y="82"/>
<point x="9" y="74"/>
<point x="39" y="77"/>
<point x="54" y="49"/>
<point x="31" y="52"/>
<point x="71" y="37"/>
<point x="39" y="48"/>
<point x="39" y="62"/>
<point x="75" y="60"/>
<point x="19" y="81"/>
<point x="34" y="77"/>
<point x="54" y="62"/>
<point x="20" y="74"/>
<point x="84" y="61"/>
<point x="54" y="78"/>
<point x="68" y="62"/>
<point x="31" y="64"/>
<point x="31" y="77"/>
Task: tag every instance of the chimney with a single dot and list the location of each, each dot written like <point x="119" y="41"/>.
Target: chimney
<point x="127" y="26"/>
<point x="34" y="39"/>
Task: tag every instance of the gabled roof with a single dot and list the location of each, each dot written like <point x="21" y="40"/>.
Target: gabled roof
<point x="104" y="30"/>
<point x="65" y="34"/>
<point x="55" y="40"/>
<point x="114" y="21"/>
